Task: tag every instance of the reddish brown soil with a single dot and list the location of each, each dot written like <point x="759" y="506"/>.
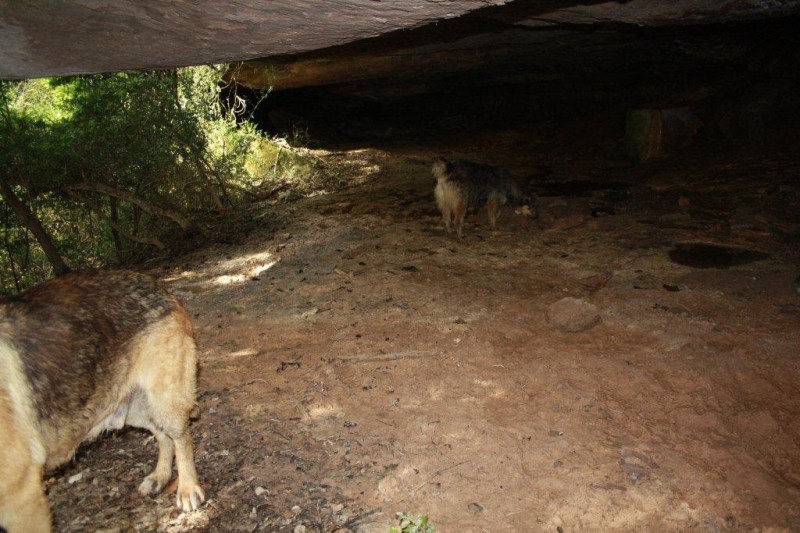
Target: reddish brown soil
<point x="379" y="366"/>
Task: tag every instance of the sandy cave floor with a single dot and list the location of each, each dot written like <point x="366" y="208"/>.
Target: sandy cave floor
<point x="356" y="362"/>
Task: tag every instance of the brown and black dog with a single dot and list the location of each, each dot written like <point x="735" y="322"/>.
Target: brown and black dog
<point x="464" y="184"/>
<point x="82" y="354"/>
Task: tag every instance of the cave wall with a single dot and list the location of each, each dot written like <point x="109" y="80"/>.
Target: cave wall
<point x="86" y="36"/>
<point x="44" y="38"/>
<point x="738" y="80"/>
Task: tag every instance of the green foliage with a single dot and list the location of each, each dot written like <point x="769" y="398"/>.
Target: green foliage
<point x="275" y="163"/>
<point x="410" y="523"/>
<point x="114" y="164"/>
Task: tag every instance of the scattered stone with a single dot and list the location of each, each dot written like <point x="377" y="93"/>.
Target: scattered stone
<point x="475" y="507"/>
<point x="336" y="507"/>
<point x="296" y="510"/>
<point x="556" y="433"/>
<point x="636" y="465"/>
<point x="568" y="221"/>
<point x="75" y="478"/>
<point x="260" y="491"/>
<point x="572" y="314"/>
<point x="300" y="528"/>
<point x="558" y="463"/>
<point x="596" y="282"/>
<point x="674" y="309"/>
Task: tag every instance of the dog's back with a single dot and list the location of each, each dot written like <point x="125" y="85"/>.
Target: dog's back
<point x="94" y="351"/>
<point x="478" y="181"/>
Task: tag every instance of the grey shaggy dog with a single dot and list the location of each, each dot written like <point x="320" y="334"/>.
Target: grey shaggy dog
<point x="464" y="184"/>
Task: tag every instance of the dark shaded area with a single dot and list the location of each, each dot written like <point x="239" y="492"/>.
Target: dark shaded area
<point x="713" y="256"/>
<point x="580" y="188"/>
<point x="727" y="82"/>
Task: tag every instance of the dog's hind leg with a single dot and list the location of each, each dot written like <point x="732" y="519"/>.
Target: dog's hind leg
<point x="459" y="213"/>
<point x="492" y="209"/>
<point x="140" y="415"/>
<point x="493" y="205"/>
<point x="167" y="378"/>
<point x="190" y="494"/>
<point x="175" y="440"/>
<point x="161" y="474"/>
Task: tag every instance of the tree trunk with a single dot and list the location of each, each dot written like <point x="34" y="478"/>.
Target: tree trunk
<point x="10" y="256"/>
<point x="29" y="220"/>
<point x="114" y="216"/>
<point x="136" y="218"/>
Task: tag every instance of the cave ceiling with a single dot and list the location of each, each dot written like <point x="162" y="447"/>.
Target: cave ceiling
<point x="48" y="38"/>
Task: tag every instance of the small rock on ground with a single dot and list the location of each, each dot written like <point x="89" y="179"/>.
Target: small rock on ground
<point x="573" y="314"/>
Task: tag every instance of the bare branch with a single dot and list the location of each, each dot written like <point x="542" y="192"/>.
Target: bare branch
<point x="185" y="224"/>
<point x="98" y="210"/>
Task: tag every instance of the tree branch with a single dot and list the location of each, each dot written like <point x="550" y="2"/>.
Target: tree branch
<point x="185" y="224"/>
<point x="100" y="213"/>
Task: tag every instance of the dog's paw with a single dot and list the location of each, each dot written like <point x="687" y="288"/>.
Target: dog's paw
<point x="190" y="497"/>
<point x="152" y="484"/>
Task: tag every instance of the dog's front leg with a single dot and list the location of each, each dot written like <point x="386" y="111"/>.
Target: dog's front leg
<point x="26" y="509"/>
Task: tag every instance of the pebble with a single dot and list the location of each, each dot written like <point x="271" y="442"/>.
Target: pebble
<point x="573" y="314"/>
<point x="475" y="507"/>
<point x="260" y="491"/>
<point x="300" y="528"/>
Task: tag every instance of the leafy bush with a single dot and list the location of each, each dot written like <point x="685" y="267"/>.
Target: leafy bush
<point x="112" y="165"/>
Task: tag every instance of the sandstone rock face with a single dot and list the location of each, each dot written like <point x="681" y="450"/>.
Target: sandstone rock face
<point x="86" y="36"/>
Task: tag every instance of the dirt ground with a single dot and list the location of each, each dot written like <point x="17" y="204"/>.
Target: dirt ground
<point x="356" y="362"/>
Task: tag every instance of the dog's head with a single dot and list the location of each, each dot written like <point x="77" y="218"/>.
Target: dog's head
<point x="441" y="167"/>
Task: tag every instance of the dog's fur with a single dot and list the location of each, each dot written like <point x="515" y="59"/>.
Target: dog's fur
<point x="82" y="354"/>
<point x="464" y="184"/>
